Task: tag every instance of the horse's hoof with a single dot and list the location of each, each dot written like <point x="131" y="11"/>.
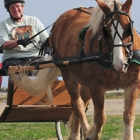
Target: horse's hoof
<point x="88" y="139"/>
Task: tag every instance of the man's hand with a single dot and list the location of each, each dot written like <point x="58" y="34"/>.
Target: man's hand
<point x="23" y="42"/>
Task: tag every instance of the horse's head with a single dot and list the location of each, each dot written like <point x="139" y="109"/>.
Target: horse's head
<point x="118" y="32"/>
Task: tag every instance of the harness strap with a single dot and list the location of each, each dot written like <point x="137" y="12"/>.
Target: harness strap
<point x="39" y="33"/>
<point x="80" y="9"/>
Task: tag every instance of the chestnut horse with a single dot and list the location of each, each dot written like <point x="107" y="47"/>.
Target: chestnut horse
<point x="110" y="36"/>
<point x="113" y="45"/>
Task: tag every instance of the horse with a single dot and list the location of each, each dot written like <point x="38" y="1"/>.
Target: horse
<point x="112" y="37"/>
<point x="111" y="46"/>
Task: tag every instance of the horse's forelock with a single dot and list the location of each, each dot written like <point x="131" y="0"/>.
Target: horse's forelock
<point x="97" y="16"/>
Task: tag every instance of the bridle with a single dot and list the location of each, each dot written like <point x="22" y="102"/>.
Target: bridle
<point x="127" y="46"/>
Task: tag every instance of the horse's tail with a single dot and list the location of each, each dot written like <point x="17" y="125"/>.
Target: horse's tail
<point x="37" y="85"/>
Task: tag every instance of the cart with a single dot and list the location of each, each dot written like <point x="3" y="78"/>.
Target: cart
<point x="22" y="107"/>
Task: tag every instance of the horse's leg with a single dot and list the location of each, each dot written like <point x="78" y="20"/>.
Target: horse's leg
<point x="76" y="100"/>
<point x="131" y="94"/>
<point x="99" y="114"/>
<point x="74" y="127"/>
<point x="85" y="95"/>
<point x="74" y="121"/>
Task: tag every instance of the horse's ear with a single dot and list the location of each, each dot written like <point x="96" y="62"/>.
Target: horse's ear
<point x="103" y="6"/>
<point x="127" y="5"/>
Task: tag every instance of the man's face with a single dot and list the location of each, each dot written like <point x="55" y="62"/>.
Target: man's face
<point x="16" y="9"/>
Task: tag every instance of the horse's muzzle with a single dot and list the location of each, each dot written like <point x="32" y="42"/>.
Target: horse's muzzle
<point x="122" y="68"/>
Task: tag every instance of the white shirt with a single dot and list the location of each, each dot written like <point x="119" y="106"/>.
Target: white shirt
<point x="30" y="26"/>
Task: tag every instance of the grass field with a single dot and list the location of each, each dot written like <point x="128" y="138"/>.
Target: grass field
<point x="112" y="130"/>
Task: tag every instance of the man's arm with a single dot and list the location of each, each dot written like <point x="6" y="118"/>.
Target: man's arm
<point x="8" y="45"/>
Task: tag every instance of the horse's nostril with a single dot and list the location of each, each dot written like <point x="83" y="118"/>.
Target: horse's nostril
<point x="121" y="69"/>
<point x="126" y="67"/>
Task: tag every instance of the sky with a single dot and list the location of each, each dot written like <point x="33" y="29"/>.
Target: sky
<point x="49" y="10"/>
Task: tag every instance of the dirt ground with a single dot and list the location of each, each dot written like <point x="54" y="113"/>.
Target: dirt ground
<point x="112" y="106"/>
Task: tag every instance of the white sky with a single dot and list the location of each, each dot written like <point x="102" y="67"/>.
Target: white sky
<point x="49" y="10"/>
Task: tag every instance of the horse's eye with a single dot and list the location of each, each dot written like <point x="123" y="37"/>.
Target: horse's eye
<point x="129" y="31"/>
<point x="105" y="33"/>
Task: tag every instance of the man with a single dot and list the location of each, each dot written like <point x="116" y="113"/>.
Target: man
<point x="15" y="32"/>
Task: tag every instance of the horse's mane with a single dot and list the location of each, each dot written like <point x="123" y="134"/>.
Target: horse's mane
<point x="97" y="16"/>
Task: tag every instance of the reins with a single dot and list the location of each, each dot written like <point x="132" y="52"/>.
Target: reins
<point x="39" y="33"/>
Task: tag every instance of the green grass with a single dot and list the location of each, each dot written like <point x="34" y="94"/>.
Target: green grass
<point x="27" y="131"/>
<point x="112" y="130"/>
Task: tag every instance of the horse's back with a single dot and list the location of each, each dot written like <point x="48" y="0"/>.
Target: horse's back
<point x="66" y="29"/>
<point x="77" y="16"/>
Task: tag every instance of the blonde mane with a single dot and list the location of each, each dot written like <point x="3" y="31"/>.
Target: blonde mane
<point x="98" y="15"/>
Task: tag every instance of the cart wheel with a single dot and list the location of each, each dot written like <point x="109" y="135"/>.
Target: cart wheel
<point x="61" y="130"/>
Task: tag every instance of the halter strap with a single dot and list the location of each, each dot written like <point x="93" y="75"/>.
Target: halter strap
<point x="127" y="46"/>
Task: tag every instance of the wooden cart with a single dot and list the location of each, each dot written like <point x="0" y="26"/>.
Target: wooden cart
<point x="22" y="107"/>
